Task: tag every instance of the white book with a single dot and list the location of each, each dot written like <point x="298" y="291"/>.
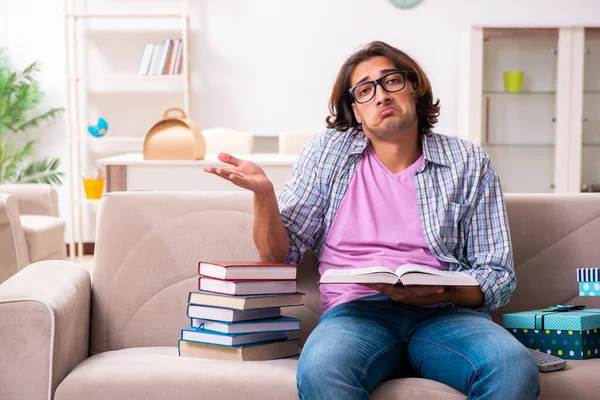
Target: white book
<point x="156" y="52"/>
<point x="229" y="315"/>
<point x="165" y="57"/>
<point x="145" y="61"/>
<point x="201" y="335"/>
<point x="407" y="274"/>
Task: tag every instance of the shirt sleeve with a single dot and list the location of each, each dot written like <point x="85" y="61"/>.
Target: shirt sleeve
<point x="489" y="247"/>
<point x="301" y="202"/>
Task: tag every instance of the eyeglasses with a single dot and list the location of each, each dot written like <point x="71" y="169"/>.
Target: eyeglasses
<point x="392" y="82"/>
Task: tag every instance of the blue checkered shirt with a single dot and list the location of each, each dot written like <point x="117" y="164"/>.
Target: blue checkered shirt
<point x="461" y="207"/>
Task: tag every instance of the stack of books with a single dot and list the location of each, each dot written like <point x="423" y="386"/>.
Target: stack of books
<point x="236" y="312"/>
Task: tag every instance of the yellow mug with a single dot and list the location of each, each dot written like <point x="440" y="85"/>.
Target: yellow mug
<point x="93" y="188"/>
<point x="513" y="81"/>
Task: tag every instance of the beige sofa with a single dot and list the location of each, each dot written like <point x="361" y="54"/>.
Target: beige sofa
<point x="30" y="227"/>
<point x="62" y="336"/>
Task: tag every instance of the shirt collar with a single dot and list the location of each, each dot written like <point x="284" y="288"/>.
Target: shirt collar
<point x="432" y="148"/>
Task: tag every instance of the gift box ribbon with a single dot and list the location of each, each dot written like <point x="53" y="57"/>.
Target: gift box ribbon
<point x="539" y="318"/>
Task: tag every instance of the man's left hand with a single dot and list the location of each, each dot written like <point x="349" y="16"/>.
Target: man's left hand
<point x="413" y="295"/>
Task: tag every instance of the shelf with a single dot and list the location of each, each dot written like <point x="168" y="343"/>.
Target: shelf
<point x="506" y="33"/>
<point x="534" y="92"/>
<point x="124" y="15"/>
<point x="591" y="144"/>
<point x="540" y="145"/>
<point x="122" y="139"/>
<point x="515" y="93"/>
<point x="128" y="78"/>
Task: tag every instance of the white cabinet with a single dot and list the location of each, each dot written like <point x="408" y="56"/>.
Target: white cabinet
<point x="590" y="117"/>
<point x="534" y="135"/>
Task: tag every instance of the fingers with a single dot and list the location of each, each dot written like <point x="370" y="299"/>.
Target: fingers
<point x="411" y="292"/>
<point x="226" y="173"/>
<point x="229" y="159"/>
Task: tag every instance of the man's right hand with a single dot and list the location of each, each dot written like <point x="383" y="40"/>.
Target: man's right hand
<point x="244" y="174"/>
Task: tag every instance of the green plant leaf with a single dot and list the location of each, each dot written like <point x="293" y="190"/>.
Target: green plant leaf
<point x="20" y="97"/>
<point x="34" y="122"/>
<point x="41" y="171"/>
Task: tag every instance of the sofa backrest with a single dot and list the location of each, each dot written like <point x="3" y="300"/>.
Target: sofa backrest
<point x="148" y="245"/>
<point x="552" y="236"/>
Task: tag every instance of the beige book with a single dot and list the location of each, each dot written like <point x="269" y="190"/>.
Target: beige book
<point x="249" y="352"/>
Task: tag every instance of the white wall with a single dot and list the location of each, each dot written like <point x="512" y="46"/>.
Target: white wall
<point x="268" y="65"/>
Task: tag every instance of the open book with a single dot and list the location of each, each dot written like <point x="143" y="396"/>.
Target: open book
<point x="407" y="274"/>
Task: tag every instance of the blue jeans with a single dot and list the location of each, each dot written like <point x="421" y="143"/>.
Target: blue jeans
<point x="362" y="343"/>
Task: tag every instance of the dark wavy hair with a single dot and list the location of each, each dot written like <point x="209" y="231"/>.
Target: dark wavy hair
<point x="340" y="103"/>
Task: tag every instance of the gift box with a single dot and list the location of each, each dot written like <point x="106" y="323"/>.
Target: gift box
<point x="589" y="281"/>
<point x="569" y="332"/>
<point x="589" y="288"/>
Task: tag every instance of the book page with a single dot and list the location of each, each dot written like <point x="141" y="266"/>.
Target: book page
<point x="359" y="271"/>
<point x="406" y="268"/>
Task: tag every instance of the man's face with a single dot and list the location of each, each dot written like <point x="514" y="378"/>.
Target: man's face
<point x="387" y="115"/>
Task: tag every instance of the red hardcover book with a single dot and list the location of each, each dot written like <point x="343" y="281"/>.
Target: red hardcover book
<point x="254" y="270"/>
<point x="246" y="286"/>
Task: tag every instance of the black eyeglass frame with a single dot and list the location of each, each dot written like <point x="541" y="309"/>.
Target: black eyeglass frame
<point x="375" y="83"/>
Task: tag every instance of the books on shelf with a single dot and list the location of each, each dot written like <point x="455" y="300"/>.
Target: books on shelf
<point x="407" y="274"/>
<point x="245" y="302"/>
<point x="162" y="58"/>
<point x="246" y="270"/>
<point x="240" y="319"/>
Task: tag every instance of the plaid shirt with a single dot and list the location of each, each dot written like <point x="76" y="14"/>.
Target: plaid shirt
<point x="461" y="207"/>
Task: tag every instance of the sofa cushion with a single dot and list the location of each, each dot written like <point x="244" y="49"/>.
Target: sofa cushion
<point x="45" y="237"/>
<point x="159" y="373"/>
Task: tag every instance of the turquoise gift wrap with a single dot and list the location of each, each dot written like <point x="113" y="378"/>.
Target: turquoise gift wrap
<point x="576" y="318"/>
<point x="589" y="288"/>
<point x="570" y="345"/>
<point x="570" y="332"/>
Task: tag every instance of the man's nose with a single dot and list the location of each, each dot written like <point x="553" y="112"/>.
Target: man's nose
<point x="381" y="95"/>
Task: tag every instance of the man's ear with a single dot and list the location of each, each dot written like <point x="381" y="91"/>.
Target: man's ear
<point x="356" y="113"/>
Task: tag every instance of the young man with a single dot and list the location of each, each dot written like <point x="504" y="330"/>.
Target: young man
<point x="380" y="188"/>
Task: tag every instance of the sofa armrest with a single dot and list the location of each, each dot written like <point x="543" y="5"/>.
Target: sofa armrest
<point x="13" y="247"/>
<point x="44" y="328"/>
<point x="34" y="198"/>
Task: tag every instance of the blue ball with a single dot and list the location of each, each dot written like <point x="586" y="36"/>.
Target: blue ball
<point x="99" y="129"/>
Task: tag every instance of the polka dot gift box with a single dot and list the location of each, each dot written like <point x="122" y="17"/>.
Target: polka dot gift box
<point x="589" y="281"/>
<point x="569" y="332"/>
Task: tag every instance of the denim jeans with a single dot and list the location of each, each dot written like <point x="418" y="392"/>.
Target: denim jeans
<point x="362" y="343"/>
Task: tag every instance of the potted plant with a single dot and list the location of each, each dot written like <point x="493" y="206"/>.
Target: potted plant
<point x="20" y="96"/>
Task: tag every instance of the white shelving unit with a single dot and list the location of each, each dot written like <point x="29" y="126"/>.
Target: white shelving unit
<point x="546" y="137"/>
<point x="77" y="81"/>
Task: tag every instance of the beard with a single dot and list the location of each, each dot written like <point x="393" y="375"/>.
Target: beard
<point x="392" y="125"/>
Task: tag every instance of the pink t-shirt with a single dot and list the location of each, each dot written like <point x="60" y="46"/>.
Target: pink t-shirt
<point x="377" y="223"/>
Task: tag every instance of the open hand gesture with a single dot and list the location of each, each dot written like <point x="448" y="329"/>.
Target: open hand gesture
<point x="244" y="174"/>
